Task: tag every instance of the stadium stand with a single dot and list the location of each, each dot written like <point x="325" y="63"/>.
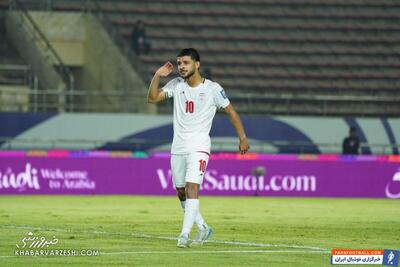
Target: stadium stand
<point x="320" y="57"/>
<point x="15" y="75"/>
<point x="13" y="69"/>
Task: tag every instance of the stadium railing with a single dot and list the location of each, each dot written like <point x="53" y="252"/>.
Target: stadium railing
<point x="11" y="143"/>
<point x="16" y="75"/>
<point x="90" y="101"/>
<point x="60" y="67"/>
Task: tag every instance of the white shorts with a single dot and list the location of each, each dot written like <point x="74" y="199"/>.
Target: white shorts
<point x="189" y="168"/>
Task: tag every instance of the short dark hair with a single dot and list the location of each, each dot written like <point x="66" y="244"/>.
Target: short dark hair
<point x="189" y="52"/>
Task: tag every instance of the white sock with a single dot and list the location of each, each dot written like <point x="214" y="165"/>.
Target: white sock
<point x="201" y="223"/>
<point x="191" y="211"/>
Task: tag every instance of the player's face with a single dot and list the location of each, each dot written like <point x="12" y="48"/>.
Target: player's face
<point x="187" y="66"/>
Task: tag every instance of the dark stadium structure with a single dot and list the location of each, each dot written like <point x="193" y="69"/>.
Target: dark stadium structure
<point x="292" y="57"/>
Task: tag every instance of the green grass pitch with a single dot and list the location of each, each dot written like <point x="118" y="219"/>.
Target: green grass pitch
<point x="248" y="231"/>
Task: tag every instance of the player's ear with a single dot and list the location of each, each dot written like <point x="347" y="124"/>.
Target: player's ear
<point x="197" y="64"/>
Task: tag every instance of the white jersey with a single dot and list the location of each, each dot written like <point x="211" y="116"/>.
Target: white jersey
<point x="194" y="110"/>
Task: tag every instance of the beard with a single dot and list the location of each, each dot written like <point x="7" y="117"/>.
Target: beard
<point x="188" y="75"/>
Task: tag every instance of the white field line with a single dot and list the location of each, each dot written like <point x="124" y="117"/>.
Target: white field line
<point x="188" y="251"/>
<point x="142" y="235"/>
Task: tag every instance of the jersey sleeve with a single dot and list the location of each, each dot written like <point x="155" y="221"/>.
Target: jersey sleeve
<point x="220" y="98"/>
<point x="170" y="87"/>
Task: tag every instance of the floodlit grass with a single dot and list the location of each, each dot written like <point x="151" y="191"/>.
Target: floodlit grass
<point x="140" y="230"/>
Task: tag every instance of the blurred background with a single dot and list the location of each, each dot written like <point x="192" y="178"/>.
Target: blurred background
<point x="74" y="74"/>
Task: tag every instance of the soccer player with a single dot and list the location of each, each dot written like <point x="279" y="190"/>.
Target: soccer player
<point x="196" y="100"/>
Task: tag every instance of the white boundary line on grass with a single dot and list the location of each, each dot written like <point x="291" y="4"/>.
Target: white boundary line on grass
<point x="141" y="235"/>
<point x="217" y="252"/>
<point x="188" y="251"/>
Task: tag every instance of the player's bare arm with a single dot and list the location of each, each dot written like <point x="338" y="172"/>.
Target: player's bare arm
<point x="237" y="124"/>
<point x="155" y="94"/>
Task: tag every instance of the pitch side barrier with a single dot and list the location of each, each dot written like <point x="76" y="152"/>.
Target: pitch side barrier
<point x="228" y="174"/>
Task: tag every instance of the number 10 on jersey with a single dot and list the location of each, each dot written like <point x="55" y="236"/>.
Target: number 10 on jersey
<point x="189" y="106"/>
